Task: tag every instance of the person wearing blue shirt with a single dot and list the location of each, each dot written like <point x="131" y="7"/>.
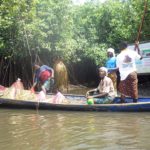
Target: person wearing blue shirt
<point x="111" y="66"/>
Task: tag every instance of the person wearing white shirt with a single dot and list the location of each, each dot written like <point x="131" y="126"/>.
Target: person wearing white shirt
<point x="125" y="62"/>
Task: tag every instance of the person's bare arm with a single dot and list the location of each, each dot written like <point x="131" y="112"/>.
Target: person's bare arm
<point x="88" y="92"/>
<point x="52" y="73"/>
<point x="98" y="95"/>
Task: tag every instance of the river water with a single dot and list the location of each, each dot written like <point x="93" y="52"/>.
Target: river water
<point x="61" y="130"/>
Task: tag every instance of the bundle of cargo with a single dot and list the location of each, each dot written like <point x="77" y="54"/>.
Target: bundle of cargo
<point x="17" y="92"/>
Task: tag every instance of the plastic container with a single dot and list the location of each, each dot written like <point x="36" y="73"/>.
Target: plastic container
<point x="90" y="101"/>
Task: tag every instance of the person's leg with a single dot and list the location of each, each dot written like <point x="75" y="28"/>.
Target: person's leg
<point x="51" y="85"/>
<point x="103" y="100"/>
<point x="128" y="87"/>
<point x="98" y="100"/>
<point x="108" y="100"/>
<point x="45" y="86"/>
<point x="122" y="90"/>
<point x="43" y="89"/>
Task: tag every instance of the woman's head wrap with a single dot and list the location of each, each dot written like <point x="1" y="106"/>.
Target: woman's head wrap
<point x="111" y="50"/>
<point x="104" y="69"/>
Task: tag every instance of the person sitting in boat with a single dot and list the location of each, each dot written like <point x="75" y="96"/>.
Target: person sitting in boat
<point x="104" y="93"/>
<point x="45" y="76"/>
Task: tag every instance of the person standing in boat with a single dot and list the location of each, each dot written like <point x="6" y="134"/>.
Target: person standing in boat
<point x="111" y="66"/>
<point x="125" y="62"/>
<point x="45" y="76"/>
<point x="105" y="90"/>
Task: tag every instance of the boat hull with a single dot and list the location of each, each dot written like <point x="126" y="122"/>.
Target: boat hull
<point x="142" y="106"/>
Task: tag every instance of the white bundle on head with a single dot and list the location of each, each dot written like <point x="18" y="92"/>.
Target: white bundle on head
<point x="111" y="50"/>
<point x="104" y="69"/>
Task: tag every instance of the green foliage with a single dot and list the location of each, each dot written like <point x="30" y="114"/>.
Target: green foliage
<point x="51" y="28"/>
<point x="65" y="29"/>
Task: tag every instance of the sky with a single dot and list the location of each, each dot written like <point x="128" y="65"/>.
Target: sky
<point x="82" y="1"/>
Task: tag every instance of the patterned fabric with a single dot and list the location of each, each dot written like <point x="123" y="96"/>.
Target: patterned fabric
<point x="113" y="77"/>
<point x="103" y="100"/>
<point x="129" y="87"/>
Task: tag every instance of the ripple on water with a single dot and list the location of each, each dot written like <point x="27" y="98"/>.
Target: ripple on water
<point x="50" y="130"/>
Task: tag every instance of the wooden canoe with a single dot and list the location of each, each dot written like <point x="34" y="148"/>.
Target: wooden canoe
<point x="143" y="105"/>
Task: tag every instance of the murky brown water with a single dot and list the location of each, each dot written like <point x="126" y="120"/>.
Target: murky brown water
<point x="60" y="130"/>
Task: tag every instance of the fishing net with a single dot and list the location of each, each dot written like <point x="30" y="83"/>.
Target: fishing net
<point x="61" y="75"/>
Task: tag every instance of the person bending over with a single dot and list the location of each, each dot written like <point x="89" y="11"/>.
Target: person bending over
<point x="45" y="76"/>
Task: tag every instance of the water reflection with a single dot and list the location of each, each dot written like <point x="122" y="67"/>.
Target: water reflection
<point x="59" y="130"/>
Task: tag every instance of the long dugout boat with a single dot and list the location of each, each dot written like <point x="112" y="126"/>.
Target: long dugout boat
<point x="143" y="105"/>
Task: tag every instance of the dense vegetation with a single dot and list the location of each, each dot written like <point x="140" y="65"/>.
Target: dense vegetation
<point x="41" y="30"/>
